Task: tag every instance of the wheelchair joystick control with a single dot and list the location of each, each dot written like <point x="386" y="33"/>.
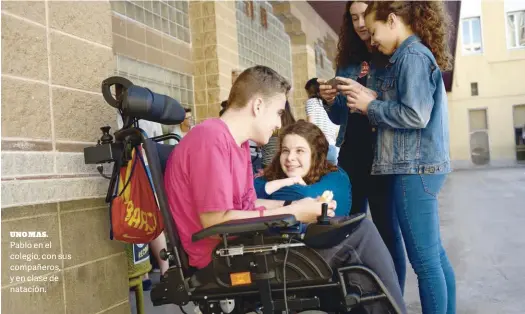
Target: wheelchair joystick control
<point x="323" y="219"/>
<point x="106" y="138"/>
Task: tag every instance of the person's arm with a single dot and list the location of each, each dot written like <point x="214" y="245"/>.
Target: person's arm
<point x="302" y="210"/>
<point x="268" y="204"/>
<point x="338" y="107"/>
<point x="310" y="109"/>
<point x="263" y="189"/>
<point x="276" y="185"/>
<point x="415" y="88"/>
<point x="259" y="185"/>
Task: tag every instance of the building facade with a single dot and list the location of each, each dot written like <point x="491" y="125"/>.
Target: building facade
<point x="487" y="102"/>
<point x="54" y="58"/>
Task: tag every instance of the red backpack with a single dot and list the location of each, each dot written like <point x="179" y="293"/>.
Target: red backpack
<point x="134" y="212"/>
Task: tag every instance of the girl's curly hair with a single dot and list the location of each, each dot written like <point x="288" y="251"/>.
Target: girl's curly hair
<point x="427" y="19"/>
<point x="350" y="48"/>
<point x="319" y="165"/>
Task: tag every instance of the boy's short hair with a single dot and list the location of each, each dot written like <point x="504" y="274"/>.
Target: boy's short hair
<point x="224" y="105"/>
<point x="258" y="80"/>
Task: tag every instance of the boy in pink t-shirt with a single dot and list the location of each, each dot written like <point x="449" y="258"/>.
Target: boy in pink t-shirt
<point x="209" y="176"/>
<point x="208" y="172"/>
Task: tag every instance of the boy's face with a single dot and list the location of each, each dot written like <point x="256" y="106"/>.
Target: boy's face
<point x="268" y="114"/>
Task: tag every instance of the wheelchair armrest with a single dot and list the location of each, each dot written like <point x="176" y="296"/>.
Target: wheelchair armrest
<point x="244" y="226"/>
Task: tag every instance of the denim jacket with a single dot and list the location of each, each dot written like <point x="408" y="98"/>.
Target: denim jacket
<point x="411" y="114"/>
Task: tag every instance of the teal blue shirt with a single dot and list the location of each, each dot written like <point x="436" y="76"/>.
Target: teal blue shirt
<point x="337" y="182"/>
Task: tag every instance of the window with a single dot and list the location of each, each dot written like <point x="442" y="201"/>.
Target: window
<point x="168" y="17"/>
<point x="474" y="89"/>
<point x="516" y="29"/>
<point x="162" y="81"/>
<point x="259" y="46"/>
<point x="471" y="31"/>
<point x="248" y="9"/>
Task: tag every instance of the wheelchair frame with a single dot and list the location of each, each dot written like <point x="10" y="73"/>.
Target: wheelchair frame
<point x="180" y="284"/>
<point x="175" y="286"/>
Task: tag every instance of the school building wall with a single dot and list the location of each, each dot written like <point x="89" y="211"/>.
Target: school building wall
<point x="487" y="100"/>
<point x="54" y="58"/>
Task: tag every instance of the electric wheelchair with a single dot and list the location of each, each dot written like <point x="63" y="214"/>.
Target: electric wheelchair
<point x="242" y="277"/>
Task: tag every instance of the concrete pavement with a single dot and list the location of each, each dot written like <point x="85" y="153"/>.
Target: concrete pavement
<point x="482" y="216"/>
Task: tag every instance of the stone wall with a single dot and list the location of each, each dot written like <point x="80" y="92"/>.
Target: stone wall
<point x="54" y="57"/>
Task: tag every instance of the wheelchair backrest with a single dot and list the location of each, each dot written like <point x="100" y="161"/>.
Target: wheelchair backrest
<point x="157" y="155"/>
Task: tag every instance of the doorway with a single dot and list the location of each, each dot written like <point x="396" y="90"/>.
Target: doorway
<point x="479" y="137"/>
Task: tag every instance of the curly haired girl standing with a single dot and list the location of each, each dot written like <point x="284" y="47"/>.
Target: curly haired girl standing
<point x="413" y="133"/>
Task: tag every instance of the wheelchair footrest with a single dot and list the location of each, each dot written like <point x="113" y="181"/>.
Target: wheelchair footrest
<point x="297" y="304"/>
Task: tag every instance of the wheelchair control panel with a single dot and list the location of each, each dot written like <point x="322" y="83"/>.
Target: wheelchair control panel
<point x="327" y="232"/>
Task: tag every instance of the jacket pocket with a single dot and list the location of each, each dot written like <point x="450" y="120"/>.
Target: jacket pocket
<point x="407" y="145"/>
<point x="386" y="84"/>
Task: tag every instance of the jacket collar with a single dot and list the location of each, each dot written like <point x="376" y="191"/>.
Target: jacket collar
<point x="404" y="45"/>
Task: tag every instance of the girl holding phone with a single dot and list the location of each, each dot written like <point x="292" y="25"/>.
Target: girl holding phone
<point x="357" y="61"/>
<point x="413" y="134"/>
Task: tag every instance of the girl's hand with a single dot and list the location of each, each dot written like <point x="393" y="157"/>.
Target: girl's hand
<point x="308" y="209"/>
<point x="326" y="91"/>
<point x="296" y="180"/>
<point x="358" y="98"/>
<point x="349" y="84"/>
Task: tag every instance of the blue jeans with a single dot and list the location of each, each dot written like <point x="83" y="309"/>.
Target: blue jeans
<point x="377" y="193"/>
<point x="416" y="205"/>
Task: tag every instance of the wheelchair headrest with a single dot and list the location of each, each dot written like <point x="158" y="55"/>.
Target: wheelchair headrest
<point x="141" y="103"/>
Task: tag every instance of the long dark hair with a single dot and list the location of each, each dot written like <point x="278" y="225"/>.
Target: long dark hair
<point x="428" y="20"/>
<point x="350" y="48"/>
<point x="316" y="139"/>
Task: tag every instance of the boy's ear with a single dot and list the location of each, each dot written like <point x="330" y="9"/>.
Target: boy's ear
<point x="256" y="106"/>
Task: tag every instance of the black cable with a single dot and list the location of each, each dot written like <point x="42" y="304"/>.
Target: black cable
<point x="284" y="276"/>
<point x="100" y="169"/>
<point x="182" y="309"/>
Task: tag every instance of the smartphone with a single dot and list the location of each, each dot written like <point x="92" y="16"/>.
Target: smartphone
<point x="334" y="82"/>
